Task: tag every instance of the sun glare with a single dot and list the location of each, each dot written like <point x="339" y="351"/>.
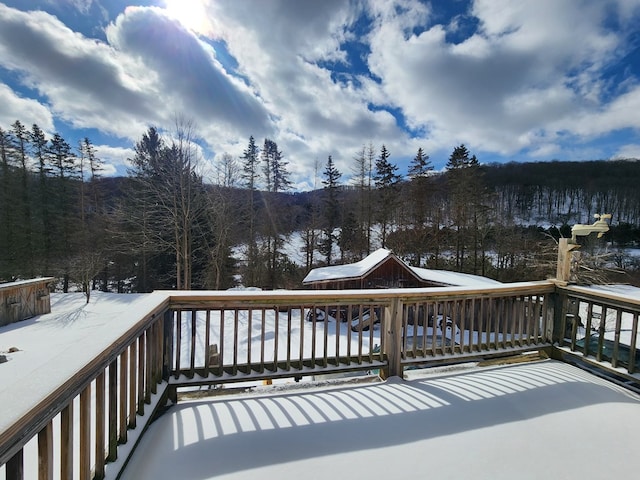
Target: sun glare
<point x="190" y="13"/>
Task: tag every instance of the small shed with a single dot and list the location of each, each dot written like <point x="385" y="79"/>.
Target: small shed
<point x="24" y="299"/>
<point x="383" y="269"/>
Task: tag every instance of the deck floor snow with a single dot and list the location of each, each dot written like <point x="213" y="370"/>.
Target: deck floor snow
<point x="526" y="421"/>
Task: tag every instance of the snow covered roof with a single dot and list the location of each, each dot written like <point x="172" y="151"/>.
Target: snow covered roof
<point x="350" y="270"/>
<point x="367" y="264"/>
<point x="454" y="279"/>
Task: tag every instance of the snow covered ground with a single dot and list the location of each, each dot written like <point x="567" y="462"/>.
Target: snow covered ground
<point x="524" y="421"/>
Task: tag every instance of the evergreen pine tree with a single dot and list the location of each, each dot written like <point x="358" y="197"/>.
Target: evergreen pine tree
<point x="332" y="208"/>
<point x="387" y="182"/>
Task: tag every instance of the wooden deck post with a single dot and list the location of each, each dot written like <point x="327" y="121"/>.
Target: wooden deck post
<point x="565" y="249"/>
<point x="392" y="339"/>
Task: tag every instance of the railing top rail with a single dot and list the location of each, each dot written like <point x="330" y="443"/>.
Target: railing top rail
<point x="601" y="296"/>
<point x="200" y="298"/>
<point x="35" y="418"/>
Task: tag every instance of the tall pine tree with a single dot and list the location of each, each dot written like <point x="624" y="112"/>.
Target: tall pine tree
<point x="387" y="183"/>
<point x="332" y="208"/>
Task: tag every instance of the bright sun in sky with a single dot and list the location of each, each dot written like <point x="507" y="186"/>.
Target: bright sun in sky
<point x="190" y="13"/>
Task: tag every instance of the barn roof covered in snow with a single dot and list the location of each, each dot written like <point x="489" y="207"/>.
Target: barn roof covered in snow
<point x="366" y="266"/>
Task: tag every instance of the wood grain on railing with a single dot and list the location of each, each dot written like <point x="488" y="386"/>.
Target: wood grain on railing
<point x="600" y="328"/>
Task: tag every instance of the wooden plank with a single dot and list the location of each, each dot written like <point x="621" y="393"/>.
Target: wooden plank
<point x="236" y="328"/>
<point x="66" y="442"/>
<point x="140" y="391"/>
<point x="148" y="365"/>
<point x="616" y="341"/>
<point x="122" y="387"/>
<point x="112" y="450"/>
<point x="85" y="434"/>
<point x="133" y="382"/>
<point x="221" y="337"/>
<point x="45" y="453"/>
<point x="263" y="321"/>
<point x="194" y="331"/>
<point x="100" y="427"/>
<point x="325" y="335"/>
<point x="277" y="334"/>
<point x="207" y="337"/>
<point x="14" y="469"/>
<point x="178" y="343"/>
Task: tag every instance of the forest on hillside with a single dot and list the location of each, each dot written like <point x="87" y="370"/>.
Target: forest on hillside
<point x="165" y="225"/>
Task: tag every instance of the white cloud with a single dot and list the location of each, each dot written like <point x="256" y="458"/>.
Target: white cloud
<point x="526" y="79"/>
<point x="116" y="156"/>
<point x="628" y="151"/>
<point x="515" y="76"/>
<point x="27" y="110"/>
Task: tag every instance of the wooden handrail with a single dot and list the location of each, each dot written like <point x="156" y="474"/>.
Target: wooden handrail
<point x="33" y="421"/>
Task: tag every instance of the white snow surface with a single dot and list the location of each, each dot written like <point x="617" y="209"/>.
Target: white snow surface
<point x="521" y="421"/>
<point x="454" y="278"/>
<point x="53" y="347"/>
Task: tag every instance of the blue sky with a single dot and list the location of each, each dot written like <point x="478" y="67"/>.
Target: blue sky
<point x="513" y="80"/>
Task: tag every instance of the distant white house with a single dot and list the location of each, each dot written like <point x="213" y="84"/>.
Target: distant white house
<point x="383" y="269"/>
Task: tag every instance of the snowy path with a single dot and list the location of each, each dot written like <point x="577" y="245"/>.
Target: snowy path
<point x="523" y="421"/>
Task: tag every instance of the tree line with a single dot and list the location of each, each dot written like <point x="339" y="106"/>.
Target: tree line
<point x="170" y="223"/>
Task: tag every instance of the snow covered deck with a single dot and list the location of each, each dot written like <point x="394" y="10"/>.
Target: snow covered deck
<point x="86" y="380"/>
<point x="525" y="421"/>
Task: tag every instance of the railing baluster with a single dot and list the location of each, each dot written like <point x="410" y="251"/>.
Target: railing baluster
<point x="289" y="326"/>
<point x="66" y="441"/>
<point x="302" y="335"/>
<point x="601" y="331"/>
<point x="236" y="333"/>
<point x="113" y="411"/>
<point x="314" y="315"/>
<point x="325" y="335"/>
<point x="85" y="433"/>
<point x="123" y="382"/>
<point x="99" y="426"/>
<point x="632" y="347"/>
<point x="336" y="356"/>
<point x="360" y="326"/>
<point x="140" y="388"/>
<point x="462" y="327"/>
<point x="192" y="356"/>
<point x="276" y="337"/>
<point x="490" y="321"/>
<point x="616" y="341"/>
<point x="249" y="335"/>
<point x="263" y="313"/>
<point x="45" y="452"/>
<point x="178" y="342"/>
<point x="349" y="331"/>
<point x="221" y="341"/>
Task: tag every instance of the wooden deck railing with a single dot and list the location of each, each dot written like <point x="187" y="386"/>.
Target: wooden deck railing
<point x="78" y="427"/>
<point x="187" y="339"/>
<point x="600" y="329"/>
